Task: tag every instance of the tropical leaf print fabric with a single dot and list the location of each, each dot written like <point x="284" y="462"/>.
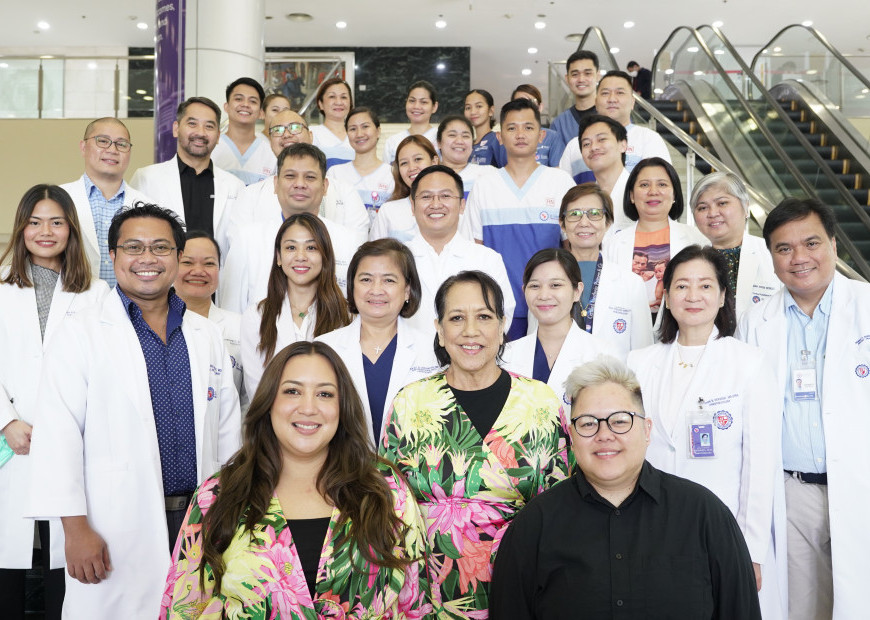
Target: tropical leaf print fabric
<point x="264" y="578"/>
<point x="470" y="487"/>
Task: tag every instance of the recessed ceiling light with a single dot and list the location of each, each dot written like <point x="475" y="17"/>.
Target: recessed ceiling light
<point x="777" y="49"/>
<point x="142" y="26"/>
<point x="628" y="25"/>
<point x="148" y="98"/>
<point x="807" y="23"/>
<point x="812" y="72"/>
<point x="526" y="71"/>
<point x="533" y="50"/>
<point x="718" y="23"/>
<point x="669" y="71"/>
<point x="863" y="90"/>
<point x="341" y="25"/>
<point x="92" y="65"/>
<point x="540" y="25"/>
<point x="658" y="91"/>
<point x="614" y="50"/>
<point x="441" y="66"/>
<point x="578" y="36"/>
<point x="46" y="56"/>
<point x="4" y="65"/>
<point x="299" y="17"/>
<point x="699" y="73"/>
<point x="43" y="25"/>
<point x="141" y="91"/>
<point x="441" y="24"/>
<point x="692" y="49"/>
<point x="719" y="52"/>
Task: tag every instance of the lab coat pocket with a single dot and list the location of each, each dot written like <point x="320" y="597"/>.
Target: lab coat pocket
<point x="108" y="487"/>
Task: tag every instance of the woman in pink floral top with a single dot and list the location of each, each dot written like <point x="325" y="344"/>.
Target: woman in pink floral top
<point x="300" y="524"/>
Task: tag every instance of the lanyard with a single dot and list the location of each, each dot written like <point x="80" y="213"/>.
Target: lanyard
<point x="584" y="315"/>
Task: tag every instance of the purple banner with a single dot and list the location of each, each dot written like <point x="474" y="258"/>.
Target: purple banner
<point x="168" y="74"/>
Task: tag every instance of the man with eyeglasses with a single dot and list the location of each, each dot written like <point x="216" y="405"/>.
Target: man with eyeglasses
<point x="602" y="143"/>
<point x="191" y="184"/>
<point x="101" y="190"/>
<point x="137" y="407"/>
<point x="440" y="250"/>
<point x="259" y="202"/>
<point x="621" y="538"/>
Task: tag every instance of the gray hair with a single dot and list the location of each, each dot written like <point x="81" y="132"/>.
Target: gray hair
<point x="728" y="182"/>
<point x="603" y="369"/>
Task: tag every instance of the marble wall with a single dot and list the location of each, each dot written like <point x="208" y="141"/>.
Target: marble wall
<point x="383" y="75"/>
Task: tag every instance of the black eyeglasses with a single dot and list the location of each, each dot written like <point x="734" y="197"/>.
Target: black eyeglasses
<point x="105" y="142"/>
<point x="619" y="422"/>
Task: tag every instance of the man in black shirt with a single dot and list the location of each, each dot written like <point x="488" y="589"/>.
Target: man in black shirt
<point x="620" y="539"/>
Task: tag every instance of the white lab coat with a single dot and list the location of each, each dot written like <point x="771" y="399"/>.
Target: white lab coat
<point x="756" y="280"/>
<point x="415" y="359"/>
<point x="76" y="190"/>
<point x="245" y="274"/>
<point x="95" y="448"/>
<point x="341" y="204"/>
<point x="459" y="254"/>
<point x="163" y="183"/>
<point x="20" y="370"/>
<point x="737" y="384"/>
<point x="845" y="394"/>
<point x="578" y="348"/>
<point x="230" y="324"/>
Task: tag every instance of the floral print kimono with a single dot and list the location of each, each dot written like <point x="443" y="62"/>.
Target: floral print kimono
<point x="470" y="487"/>
<point x="264" y="579"/>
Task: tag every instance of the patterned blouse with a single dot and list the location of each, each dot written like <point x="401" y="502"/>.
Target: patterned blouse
<point x="264" y="578"/>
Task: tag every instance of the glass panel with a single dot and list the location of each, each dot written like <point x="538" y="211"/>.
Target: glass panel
<point x="297" y="77"/>
<point x="19" y="88"/>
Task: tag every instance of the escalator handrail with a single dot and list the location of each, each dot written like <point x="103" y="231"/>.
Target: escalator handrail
<point x="824" y="41"/>
<point x="664" y="47"/>
<point x="595" y="30"/>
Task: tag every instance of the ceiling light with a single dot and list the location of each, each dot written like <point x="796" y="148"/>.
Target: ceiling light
<point x="441" y="66"/>
<point x="669" y="71"/>
<point x="692" y="49"/>
<point x="614" y="50"/>
<point x="658" y="91"/>
<point x="863" y="90"/>
<point x="628" y="25"/>
<point x="526" y="71"/>
<point x="4" y="65"/>
<point x="533" y="50"/>
<point x="777" y="49"/>
<point x="699" y="73"/>
<point x="718" y="23"/>
<point x="341" y="25"/>
<point x="92" y="65"/>
<point x="299" y="17"/>
<point x="148" y="98"/>
<point x="43" y="25"/>
<point x="719" y="52"/>
<point x="441" y="24"/>
<point x="142" y="26"/>
<point x="807" y="23"/>
<point x="141" y="91"/>
<point x="764" y="51"/>
<point x="812" y="72"/>
<point x="540" y="25"/>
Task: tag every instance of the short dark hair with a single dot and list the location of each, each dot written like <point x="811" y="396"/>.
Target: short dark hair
<point x="517" y="105"/>
<point x="617" y="129"/>
<point x="726" y="318"/>
<point x="427" y="86"/>
<point x="581" y="55"/>
<point x="492" y="297"/>
<point x="631" y="63"/>
<point x="528" y="89"/>
<point x="246" y="81"/>
<point x="202" y="234"/>
<point x="146" y="209"/>
<point x="616" y="73"/>
<point x="321" y="91"/>
<point x="182" y="107"/>
<point x="362" y="110"/>
<point x="792" y="209"/>
<point x="300" y="150"/>
<point x="586" y="189"/>
<point x="460" y="187"/>
<point x="630" y="208"/>
<point x="404" y="259"/>
<point x="453" y="118"/>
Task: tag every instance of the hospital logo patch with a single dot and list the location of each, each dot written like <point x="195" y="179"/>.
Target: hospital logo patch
<point x="211" y="393"/>
<point x="756" y="299"/>
<point x="619" y="325"/>
<point x="723" y="420"/>
<point x="862" y="370"/>
<point x="544" y="216"/>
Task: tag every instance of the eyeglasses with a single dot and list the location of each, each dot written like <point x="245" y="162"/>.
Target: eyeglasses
<point x="134" y="248"/>
<point x="619" y="422"/>
<point x="442" y="198"/>
<point x="105" y="142"/>
<point x="575" y="215"/>
<point x="294" y="129"/>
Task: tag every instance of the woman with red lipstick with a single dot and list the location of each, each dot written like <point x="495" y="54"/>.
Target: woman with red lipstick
<point x="382" y="352"/>
<point x="334" y="100"/>
<point x="300" y="524"/>
<point x="475" y="443"/>
<point x="302" y="301"/>
<point x="654" y="200"/>
<point x="45" y="277"/>
<point x="552" y="285"/>
<point x="394" y="218"/>
<point x="699" y="381"/>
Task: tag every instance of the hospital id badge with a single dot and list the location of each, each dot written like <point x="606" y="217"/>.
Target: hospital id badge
<point x="803" y="378"/>
<point x="700" y="427"/>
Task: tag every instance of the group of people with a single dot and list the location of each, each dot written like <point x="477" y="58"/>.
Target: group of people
<point x="325" y="384"/>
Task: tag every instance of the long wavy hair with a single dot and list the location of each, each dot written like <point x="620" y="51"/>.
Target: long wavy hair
<point x="331" y="306"/>
<point x="75" y="271"/>
<point x="349" y="477"/>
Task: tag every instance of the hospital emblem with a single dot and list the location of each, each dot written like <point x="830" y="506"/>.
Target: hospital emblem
<point x="211" y="393"/>
<point x="756" y="299"/>
<point x="544" y="216"/>
<point x="862" y="370"/>
<point x="723" y="420"/>
<point x="619" y="325"/>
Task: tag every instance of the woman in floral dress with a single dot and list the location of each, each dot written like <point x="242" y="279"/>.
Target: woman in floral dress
<point x="300" y="524"/>
<point x="475" y="443"/>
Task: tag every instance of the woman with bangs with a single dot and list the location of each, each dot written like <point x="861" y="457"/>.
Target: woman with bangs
<point x="455" y="142"/>
<point x="303" y="299"/>
<point x="45" y="277"/>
